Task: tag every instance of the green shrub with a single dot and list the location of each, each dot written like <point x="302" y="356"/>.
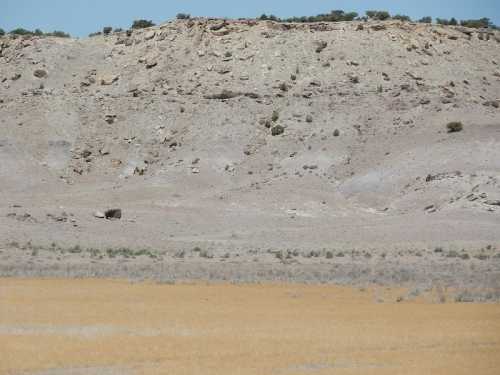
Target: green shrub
<point x="380" y="15"/>
<point x="477" y="24"/>
<point x="107" y="30"/>
<point x="444" y="21"/>
<point x="142" y="24"/>
<point x="333" y="16"/>
<point x="21" y="31"/>
<point x="454" y="127"/>
<point x="427" y="19"/>
<point x="401" y="17"/>
<point x="2" y="32"/>
<point x="58" y="34"/>
<point x="183" y="16"/>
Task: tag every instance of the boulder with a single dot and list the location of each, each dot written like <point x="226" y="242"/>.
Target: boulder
<point x="150" y="35"/>
<point x="277" y="130"/>
<point x="495" y="202"/>
<point x="114" y="213"/>
<point x="109" y="79"/>
<point x="40" y="73"/>
<point x="321" y="45"/>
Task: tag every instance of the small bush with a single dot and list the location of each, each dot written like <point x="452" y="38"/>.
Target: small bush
<point x="444" y="21"/>
<point x="183" y="16"/>
<point x="142" y="24"/>
<point x="401" y="17"/>
<point x="380" y="15"/>
<point x="477" y="24"/>
<point x="58" y="34"/>
<point x="2" y="32"/>
<point x="107" y="30"/>
<point x="271" y="17"/>
<point x="275" y="117"/>
<point x="427" y="19"/>
<point x="21" y="31"/>
<point x="454" y="127"/>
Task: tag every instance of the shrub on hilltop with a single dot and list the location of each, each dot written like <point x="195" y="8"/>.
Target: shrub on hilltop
<point x="401" y="17"/>
<point x="23" y="32"/>
<point x="444" y="21"/>
<point x="58" y="34"/>
<point x="477" y="24"/>
<point x="142" y="24"/>
<point x="380" y="15"/>
<point x="426" y="19"/>
<point x="183" y="16"/>
<point x="2" y="32"/>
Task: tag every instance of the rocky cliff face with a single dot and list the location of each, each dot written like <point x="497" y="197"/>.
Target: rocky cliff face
<point x="254" y="135"/>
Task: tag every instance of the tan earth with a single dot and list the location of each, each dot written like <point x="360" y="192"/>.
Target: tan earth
<point x="52" y="327"/>
<point x="247" y="152"/>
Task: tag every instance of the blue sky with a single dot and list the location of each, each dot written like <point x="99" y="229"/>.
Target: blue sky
<point x="81" y="17"/>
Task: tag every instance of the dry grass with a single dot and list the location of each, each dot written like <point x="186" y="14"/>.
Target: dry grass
<point x="119" y="327"/>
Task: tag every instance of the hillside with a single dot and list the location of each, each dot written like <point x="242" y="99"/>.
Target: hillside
<point x="249" y="150"/>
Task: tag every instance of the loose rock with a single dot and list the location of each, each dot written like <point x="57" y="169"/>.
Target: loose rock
<point x="114" y="213"/>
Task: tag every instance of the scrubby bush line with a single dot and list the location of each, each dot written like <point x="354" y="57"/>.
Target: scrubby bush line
<point x="37" y="32"/>
<point x="380" y="15"/>
<point x="333" y="16"/>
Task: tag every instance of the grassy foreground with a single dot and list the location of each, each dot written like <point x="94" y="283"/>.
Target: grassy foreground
<point x="57" y="326"/>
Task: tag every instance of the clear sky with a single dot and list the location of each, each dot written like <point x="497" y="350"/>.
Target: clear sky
<point x="81" y="17"/>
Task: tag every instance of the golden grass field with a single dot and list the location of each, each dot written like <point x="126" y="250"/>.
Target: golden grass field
<point x="117" y="327"/>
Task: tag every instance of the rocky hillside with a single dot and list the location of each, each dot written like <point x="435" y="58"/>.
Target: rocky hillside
<point x="253" y="135"/>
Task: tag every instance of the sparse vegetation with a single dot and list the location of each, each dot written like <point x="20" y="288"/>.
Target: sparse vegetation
<point x="142" y="24"/>
<point x="444" y="21"/>
<point x="183" y="16"/>
<point x="401" y="17"/>
<point x="58" y="34"/>
<point x="464" y="297"/>
<point x="107" y="30"/>
<point x="21" y="31"/>
<point x="426" y="19"/>
<point x="380" y="15"/>
<point x="454" y="126"/>
<point x="24" y="32"/>
<point x="2" y="32"/>
<point x="333" y="16"/>
<point x="477" y="24"/>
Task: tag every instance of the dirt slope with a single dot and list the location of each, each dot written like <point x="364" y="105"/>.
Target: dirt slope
<point x="174" y="125"/>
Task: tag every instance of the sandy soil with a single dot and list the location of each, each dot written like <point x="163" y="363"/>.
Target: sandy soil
<point x="51" y="327"/>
